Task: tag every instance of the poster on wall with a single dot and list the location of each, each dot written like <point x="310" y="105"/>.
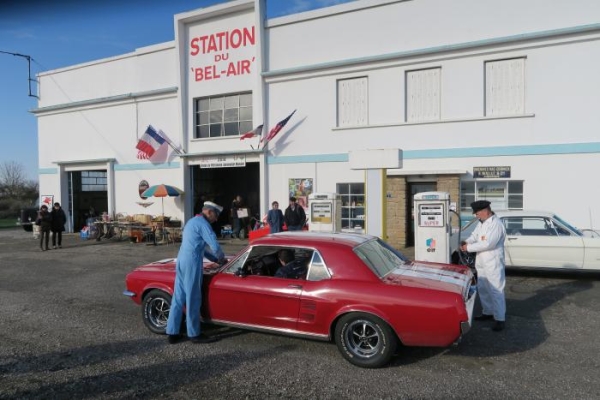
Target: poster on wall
<point x="300" y="189"/>
<point x="47" y="199"/>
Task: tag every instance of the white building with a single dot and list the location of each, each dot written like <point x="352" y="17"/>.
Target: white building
<point x="481" y="99"/>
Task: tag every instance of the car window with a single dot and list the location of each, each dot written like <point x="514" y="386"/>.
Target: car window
<point x="379" y="257"/>
<point x="529" y="226"/>
<point x="317" y="271"/>
<point x="567" y="226"/>
<point x="237" y="264"/>
<point x="264" y="261"/>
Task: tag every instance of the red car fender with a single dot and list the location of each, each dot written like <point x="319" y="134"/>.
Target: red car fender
<point x="362" y="308"/>
<point x="155" y="285"/>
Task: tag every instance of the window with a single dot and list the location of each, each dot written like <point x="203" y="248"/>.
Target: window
<point x="504" y="195"/>
<point x="352" y="102"/>
<point x="94" y="181"/>
<point x="352" y="196"/>
<point x="318" y="270"/>
<point x="229" y="115"/>
<point x="423" y="95"/>
<point x="505" y="87"/>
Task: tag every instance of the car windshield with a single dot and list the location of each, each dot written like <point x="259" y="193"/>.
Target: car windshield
<point x="466" y="230"/>
<point x="571" y="227"/>
<point x="380" y="257"/>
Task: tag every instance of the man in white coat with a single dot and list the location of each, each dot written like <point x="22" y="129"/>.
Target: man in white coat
<point x="487" y="240"/>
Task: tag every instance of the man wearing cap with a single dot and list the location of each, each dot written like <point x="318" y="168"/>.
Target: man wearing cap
<point x="487" y="240"/>
<point x="197" y="237"/>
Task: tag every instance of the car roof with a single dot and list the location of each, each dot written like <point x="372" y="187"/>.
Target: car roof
<point x="312" y="239"/>
<point x="523" y="213"/>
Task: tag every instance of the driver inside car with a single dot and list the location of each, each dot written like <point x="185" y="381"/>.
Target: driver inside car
<point x="290" y="267"/>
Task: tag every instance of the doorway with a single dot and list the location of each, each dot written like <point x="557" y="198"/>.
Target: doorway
<point x="412" y="189"/>
<point x="88" y="196"/>
<point x="221" y="185"/>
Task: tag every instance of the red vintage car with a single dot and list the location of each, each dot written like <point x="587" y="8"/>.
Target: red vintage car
<point x="356" y="290"/>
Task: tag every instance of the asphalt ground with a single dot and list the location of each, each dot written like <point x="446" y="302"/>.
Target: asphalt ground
<point x="67" y="332"/>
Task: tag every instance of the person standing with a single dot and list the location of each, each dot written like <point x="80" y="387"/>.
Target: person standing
<point x="44" y="220"/>
<point x="487" y="240"/>
<point x="59" y="219"/>
<point x="275" y="218"/>
<point x="294" y="216"/>
<point x="236" y="220"/>
<point x="198" y="241"/>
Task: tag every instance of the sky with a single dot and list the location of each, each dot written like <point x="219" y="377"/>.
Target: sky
<point x="60" y="33"/>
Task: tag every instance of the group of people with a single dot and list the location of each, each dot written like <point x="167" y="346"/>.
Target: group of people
<point x="51" y="221"/>
<point x="294" y="217"/>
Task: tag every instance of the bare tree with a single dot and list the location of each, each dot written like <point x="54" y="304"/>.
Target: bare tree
<point x="16" y="191"/>
<point x="12" y="179"/>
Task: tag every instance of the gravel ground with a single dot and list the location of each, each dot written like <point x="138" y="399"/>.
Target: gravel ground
<point x="66" y="331"/>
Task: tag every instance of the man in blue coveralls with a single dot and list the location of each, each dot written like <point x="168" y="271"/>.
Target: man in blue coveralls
<point x="197" y="234"/>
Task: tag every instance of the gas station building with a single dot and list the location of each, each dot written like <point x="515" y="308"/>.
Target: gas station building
<point x="480" y="99"/>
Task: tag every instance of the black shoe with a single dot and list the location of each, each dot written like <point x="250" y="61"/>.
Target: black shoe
<point x="59" y="246"/>
<point x="498" y="326"/>
<point x="483" y="317"/>
<point x="173" y="339"/>
<point x="203" y="339"/>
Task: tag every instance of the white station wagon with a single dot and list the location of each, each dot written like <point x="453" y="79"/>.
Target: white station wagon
<point x="539" y="239"/>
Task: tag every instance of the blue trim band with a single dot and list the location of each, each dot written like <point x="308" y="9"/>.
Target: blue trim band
<point x="123" y="167"/>
<point x="134" y="167"/>
<point x="529" y="150"/>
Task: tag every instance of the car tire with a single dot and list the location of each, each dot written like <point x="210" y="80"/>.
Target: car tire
<point x="365" y="340"/>
<point x="155" y="310"/>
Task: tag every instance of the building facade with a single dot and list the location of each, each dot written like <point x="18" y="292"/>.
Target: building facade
<point x="391" y="98"/>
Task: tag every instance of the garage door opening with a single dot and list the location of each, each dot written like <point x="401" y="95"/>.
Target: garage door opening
<point x="221" y="185"/>
<point x="88" y="194"/>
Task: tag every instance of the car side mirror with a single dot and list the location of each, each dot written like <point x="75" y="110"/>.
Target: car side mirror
<point x="240" y="272"/>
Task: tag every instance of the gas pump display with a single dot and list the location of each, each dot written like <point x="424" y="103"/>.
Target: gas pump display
<point x="320" y="212"/>
<point x="431" y="215"/>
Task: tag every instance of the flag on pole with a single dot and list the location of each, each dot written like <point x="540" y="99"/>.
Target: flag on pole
<point x="256" y="132"/>
<point x="150" y="141"/>
<point x="273" y="132"/>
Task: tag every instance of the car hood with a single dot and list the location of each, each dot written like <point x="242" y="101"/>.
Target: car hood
<point x="168" y="265"/>
<point x="429" y="275"/>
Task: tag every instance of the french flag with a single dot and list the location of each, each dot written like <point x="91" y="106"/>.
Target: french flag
<point x="150" y="141"/>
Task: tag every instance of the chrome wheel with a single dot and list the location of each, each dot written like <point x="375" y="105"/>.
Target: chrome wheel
<point x="362" y="338"/>
<point x="365" y="340"/>
<point x="156" y="307"/>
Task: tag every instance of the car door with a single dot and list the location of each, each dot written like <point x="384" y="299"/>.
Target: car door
<point x="253" y="300"/>
<point x="538" y="241"/>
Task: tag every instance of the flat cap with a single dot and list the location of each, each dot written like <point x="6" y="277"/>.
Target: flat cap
<point x="480" y="205"/>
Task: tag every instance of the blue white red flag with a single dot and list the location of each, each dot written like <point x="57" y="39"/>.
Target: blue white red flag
<point x="256" y="132"/>
<point x="273" y="132"/>
<point x="150" y="141"/>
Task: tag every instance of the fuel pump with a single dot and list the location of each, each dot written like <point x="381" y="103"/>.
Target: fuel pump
<point x="434" y="237"/>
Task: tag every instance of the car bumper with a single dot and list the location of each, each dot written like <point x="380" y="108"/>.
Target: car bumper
<point x="465" y="326"/>
<point x="128" y="293"/>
